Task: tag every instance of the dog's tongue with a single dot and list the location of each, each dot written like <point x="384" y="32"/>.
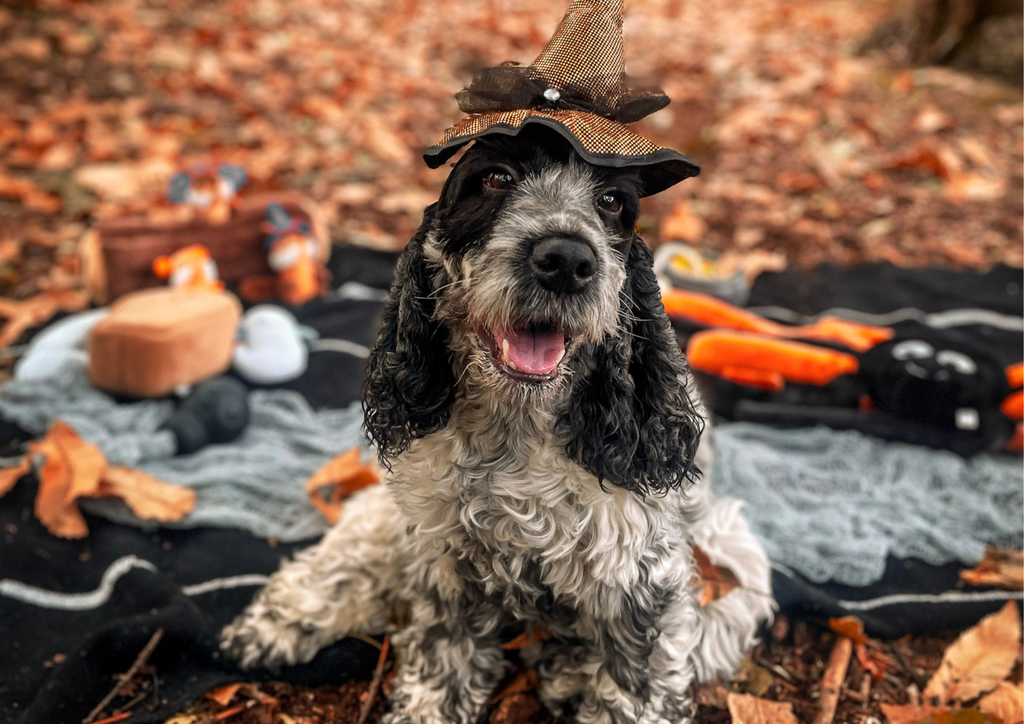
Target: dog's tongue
<point x="534" y="351"/>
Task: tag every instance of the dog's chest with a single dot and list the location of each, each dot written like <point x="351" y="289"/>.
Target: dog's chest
<point x="523" y="521"/>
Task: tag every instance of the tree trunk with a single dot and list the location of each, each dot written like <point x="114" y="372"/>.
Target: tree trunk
<point x="980" y="35"/>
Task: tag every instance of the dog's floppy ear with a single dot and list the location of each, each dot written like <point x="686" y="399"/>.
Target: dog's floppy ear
<point x="630" y="419"/>
<point x="409" y="385"/>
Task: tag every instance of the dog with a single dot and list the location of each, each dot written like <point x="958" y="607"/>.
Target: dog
<point x="529" y="398"/>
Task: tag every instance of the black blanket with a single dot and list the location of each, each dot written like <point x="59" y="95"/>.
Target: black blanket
<point x="75" y="613"/>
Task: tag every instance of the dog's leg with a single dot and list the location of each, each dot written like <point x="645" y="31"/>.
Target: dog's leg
<point x="340" y="586"/>
<point x="730" y="625"/>
<point x="450" y="656"/>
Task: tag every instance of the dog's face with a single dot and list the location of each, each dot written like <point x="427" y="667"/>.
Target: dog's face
<point x="527" y="282"/>
<point x="529" y="251"/>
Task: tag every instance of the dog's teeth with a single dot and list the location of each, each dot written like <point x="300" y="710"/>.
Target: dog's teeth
<point x="512" y="365"/>
<point x="560" y="356"/>
<point x="504" y="353"/>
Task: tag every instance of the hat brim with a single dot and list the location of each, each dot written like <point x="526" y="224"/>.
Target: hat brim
<point x="597" y="140"/>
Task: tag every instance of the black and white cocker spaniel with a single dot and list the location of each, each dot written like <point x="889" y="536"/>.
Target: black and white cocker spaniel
<point x="530" y="400"/>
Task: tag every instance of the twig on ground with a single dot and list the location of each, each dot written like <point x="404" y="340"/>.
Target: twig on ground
<point x="378" y="675"/>
<point x="142" y="695"/>
<point x="116" y="718"/>
<point x="832" y="680"/>
<point x="227" y="713"/>
<point x="124" y="678"/>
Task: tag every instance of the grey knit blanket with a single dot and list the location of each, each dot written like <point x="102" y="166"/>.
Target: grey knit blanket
<point x="256" y="483"/>
<point x="831" y="505"/>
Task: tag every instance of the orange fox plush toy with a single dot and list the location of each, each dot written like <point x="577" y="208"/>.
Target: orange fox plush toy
<point x="189" y="268"/>
<point x="293" y="253"/>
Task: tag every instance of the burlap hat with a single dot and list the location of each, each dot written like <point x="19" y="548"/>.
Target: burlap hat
<point x="577" y="87"/>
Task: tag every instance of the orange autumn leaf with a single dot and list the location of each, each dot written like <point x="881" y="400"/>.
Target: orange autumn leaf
<point x="1005" y="703"/>
<point x="714" y="581"/>
<point x="977" y="661"/>
<point x="337" y="480"/>
<point x="1000" y="568"/>
<point x="849" y="626"/>
<point x="27" y="313"/>
<point x="524" y="682"/>
<point x="72" y="470"/>
<point x="911" y="713"/>
<point x="224" y="694"/>
<point x="746" y="709"/>
<point x="682" y="224"/>
<point x="531" y="635"/>
<point x="10" y="476"/>
<point x="148" y="498"/>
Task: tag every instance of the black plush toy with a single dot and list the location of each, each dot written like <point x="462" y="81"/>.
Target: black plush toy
<point x="934" y="379"/>
<point x="216" y="412"/>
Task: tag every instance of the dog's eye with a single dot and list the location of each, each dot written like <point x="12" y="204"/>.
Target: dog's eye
<point x="610" y="202"/>
<point x="498" y="180"/>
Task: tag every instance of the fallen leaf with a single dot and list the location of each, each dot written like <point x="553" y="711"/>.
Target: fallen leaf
<point x="27" y="313"/>
<point x="682" y="224"/>
<point x="10" y="476"/>
<point x="849" y="626"/>
<point x="931" y="119"/>
<point x="224" y="694"/>
<point x="1006" y="703"/>
<point x="72" y="470"/>
<point x="148" y="498"/>
<point x="962" y="716"/>
<point x="970" y="186"/>
<point x="745" y="709"/>
<point x="911" y="713"/>
<point x="517" y="697"/>
<point x="1000" y="568"/>
<point x="977" y="661"/>
<point x="531" y="635"/>
<point x="715" y="581"/>
<point x="337" y="480"/>
<point x="797" y="181"/>
<point x="711" y="693"/>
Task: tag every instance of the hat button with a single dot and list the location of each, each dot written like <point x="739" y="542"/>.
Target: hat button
<point x="552" y="94"/>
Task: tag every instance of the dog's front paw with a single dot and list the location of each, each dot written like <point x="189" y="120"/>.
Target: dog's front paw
<point x="262" y="637"/>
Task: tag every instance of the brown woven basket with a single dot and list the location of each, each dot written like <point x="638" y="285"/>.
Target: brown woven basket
<point x="119" y="257"/>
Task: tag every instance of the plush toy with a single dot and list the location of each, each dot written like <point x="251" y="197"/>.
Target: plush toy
<point x="214" y="413"/>
<point x="926" y="386"/>
<point x="272" y="347"/>
<point x="189" y="268"/>
<point x="209" y="191"/>
<point x="293" y="253"/>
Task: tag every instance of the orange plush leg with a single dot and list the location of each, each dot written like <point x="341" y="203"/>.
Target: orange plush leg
<point x="755" y="360"/>
<point x="711" y="312"/>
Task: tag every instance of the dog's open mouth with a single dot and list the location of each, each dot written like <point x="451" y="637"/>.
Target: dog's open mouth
<point x="530" y="353"/>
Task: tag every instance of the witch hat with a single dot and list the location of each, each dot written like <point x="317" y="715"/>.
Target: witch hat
<point x="577" y="87"/>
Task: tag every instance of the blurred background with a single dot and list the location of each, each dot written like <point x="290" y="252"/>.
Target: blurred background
<point x="821" y="135"/>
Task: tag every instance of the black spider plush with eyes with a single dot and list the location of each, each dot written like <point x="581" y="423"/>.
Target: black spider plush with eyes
<point x="934" y="379"/>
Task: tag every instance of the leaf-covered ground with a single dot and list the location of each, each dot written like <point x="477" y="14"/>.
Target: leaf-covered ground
<point x="810" y="153"/>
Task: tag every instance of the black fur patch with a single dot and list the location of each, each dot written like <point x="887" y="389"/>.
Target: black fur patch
<point x="409" y="386"/>
<point x="630" y="419"/>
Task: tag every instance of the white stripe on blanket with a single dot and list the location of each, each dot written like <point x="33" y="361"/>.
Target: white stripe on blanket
<point x="89" y="600"/>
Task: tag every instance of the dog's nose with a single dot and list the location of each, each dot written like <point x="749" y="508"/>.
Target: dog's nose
<point x="563" y="265"/>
